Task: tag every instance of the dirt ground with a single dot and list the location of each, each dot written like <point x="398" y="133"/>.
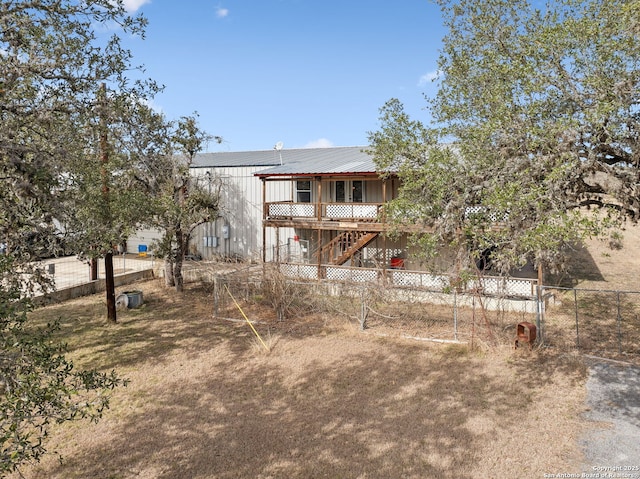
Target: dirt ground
<point x="207" y="400"/>
<point x="596" y="265"/>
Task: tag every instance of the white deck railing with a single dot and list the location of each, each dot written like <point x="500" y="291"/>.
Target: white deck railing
<point x="334" y="211"/>
<point x="291" y="210"/>
<point x="491" y="286"/>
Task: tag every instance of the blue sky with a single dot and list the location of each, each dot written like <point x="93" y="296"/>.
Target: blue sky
<point x="307" y="73"/>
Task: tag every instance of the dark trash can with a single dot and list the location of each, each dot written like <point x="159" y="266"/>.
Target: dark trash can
<point x="134" y="299"/>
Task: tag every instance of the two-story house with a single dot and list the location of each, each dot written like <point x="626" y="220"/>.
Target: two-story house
<point x="317" y="211"/>
<point x="333" y="210"/>
<point x="324" y="209"/>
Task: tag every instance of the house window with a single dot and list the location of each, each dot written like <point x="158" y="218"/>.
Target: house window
<point x="303" y="191"/>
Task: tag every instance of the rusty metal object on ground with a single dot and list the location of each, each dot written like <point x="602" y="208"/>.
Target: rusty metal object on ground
<point x="525" y="334"/>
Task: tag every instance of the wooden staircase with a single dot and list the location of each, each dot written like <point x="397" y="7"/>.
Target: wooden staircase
<point x="341" y="248"/>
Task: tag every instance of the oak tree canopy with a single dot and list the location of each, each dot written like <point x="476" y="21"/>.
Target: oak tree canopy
<point x="534" y="127"/>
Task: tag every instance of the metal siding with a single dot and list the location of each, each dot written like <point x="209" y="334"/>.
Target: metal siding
<point x="239" y="209"/>
<point x="241" y="204"/>
<point x="373" y="191"/>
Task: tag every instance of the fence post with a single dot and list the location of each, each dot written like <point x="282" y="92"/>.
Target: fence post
<point x="539" y="310"/>
<point x="619" y="320"/>
<point x="455" y="315"/>
<point x="575" y="303"/>
<point x="363" y="311"/>
<point x="216" y="296"/>
<point x="473" y="320"/>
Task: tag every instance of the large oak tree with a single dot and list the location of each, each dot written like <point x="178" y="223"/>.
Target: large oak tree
<point x="52" y="64"/>
<point x="533" y="143"/>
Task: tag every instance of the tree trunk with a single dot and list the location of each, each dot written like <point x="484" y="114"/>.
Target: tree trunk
<point x="106" y="199"/>
<point x="169" y="280"/>
<point x="110" y="287"/>
<point x="179" y="279"/>
<point x="177" y="267"/>
<point x="93" y="269"/>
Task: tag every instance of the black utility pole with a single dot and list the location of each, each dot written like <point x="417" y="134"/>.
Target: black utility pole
<point x="104" y="160"/>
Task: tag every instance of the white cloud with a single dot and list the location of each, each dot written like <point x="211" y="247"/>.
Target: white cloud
<point x="222" y="12"/>
<point x="319" y="143"/>
<point x="429" y="77"/>
<point x="133" y="5"/>
<point x="154" y="106"/>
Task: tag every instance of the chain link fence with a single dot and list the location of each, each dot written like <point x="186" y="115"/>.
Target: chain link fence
<point x="471" y="318"/>
<point x="269" y="295"/>
<point x="70" y="271"/>
<point x="595" y="322"/>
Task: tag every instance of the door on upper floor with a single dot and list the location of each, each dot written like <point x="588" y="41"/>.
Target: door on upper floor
<point x="349" y="191"/>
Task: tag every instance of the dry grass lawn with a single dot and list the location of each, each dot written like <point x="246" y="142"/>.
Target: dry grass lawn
<point x="207" y="401"/>
<point x="595" y="265"/>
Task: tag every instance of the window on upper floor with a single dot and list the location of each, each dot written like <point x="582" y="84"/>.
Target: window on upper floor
<point x="303" y="191"/>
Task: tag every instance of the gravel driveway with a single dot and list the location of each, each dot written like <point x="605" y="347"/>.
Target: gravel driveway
<point x="613" y="399"/>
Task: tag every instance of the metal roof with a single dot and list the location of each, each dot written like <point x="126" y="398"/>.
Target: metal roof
<point x="236" y="159"/>
<point x="316" y="161"/>
<point x="302" y="161"/>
